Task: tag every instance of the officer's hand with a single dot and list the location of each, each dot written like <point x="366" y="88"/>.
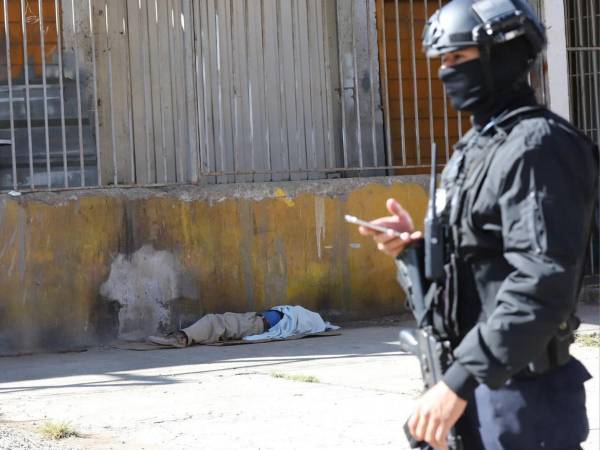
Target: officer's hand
<point x="401" y="221"/>
<point x="437" y="411"/>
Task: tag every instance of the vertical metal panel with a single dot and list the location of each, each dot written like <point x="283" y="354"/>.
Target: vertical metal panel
<point x="414" y="82"/>
<point x="329" y="74"/>
<point x="198" y="90"/>
<point x="277" y="152"/>
<point x="240" y="107"/>
<point x="208" y="163"/>
<point x="429" y="87"/>
<point x="182" y="66"/>
<point x="114" y="91"/>
<point x="371" y="54"/>
<point x="288" y="84"/>
<point x="158" y="170"/>
<point x="190" y="85"/>
<point x="319" y="70"/>
<point x="184" y="91"/>
<point x="283" y="14"/>
<point x="313" y="138"/>
<point x="87" y="95"/>
<point x="237" y="54"/>
<point x="102" y="101"/>
<point x="359" y="82"/>
<point x="212" y="92"/>
<point x="107" y="92"/>
<point x="76" y="57"/>
<point x="141" y="98"/>
<point x="27" y="100"/>
<point x="356" y="97"/>
<point x="342" y="93"/>
<point x="10" y="97"/>
<point x="175" y="90"/>
<point x="299" y="160"/>
<point x="128" y="94"/>
<point x="446" y="124"/>
<point x="63" y="127"/>
<point x="385" y="89"/>
<point x="113" y="131"/>
<point x="313" y="12"/>
<point x="400" y="81"/>
<point x="95" y="93"/>
<point x="231" y="164"/>
<point x="158" y="116"/>
<point x="166" y="96"/>
<point x="45" y="90"/>
<point x="222" y="89"/>
<point x="305" y="81"/>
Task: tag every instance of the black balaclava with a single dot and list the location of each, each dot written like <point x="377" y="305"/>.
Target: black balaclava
<point x="471" y="89"/>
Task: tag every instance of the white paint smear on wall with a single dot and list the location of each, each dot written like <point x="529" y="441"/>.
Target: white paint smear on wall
<point x="143" y="284"/>
<point x="319" y="223"/>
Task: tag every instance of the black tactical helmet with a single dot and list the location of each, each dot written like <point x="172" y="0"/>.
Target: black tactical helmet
<point x="483" y="24"/>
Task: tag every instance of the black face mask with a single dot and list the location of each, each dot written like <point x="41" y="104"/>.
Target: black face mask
<point x="465" y="85"/>
<point x="470" y="90"/>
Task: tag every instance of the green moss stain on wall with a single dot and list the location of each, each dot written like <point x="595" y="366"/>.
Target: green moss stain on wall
<point x="53" y="258"/>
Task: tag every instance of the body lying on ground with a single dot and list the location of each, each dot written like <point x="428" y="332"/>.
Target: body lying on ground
<point x="279" y="322"/>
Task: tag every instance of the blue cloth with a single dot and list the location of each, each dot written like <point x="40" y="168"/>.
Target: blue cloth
<point x="272" y="317"/>
<point x="296" y="320"/>
<point x="546" y="412"/>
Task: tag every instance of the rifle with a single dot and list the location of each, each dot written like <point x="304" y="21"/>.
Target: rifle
<point x="419" y="265"/>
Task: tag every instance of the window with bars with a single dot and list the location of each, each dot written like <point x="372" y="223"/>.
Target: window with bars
<point x="583" y="50"/>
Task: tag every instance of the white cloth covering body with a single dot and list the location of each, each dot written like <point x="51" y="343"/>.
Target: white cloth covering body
<point x="295" y="320"/>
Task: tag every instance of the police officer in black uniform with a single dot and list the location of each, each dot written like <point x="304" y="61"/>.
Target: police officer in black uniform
<point x="516" y="201"/>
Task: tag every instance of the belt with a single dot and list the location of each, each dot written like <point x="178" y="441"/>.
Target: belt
<point x="528" y="373"/>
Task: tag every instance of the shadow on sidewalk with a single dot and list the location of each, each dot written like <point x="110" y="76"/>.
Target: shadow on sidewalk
<point x="199" y="360"/>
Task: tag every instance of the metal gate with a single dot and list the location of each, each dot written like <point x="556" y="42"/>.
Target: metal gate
<point x="583" y="50"/>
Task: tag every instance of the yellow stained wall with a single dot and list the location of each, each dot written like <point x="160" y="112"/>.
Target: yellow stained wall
<point x="240" y="248"/>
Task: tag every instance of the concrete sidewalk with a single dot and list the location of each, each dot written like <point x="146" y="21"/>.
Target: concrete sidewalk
<point x="236" y="397"/>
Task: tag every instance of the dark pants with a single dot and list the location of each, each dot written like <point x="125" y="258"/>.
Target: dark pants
<point x="545" y="412"/>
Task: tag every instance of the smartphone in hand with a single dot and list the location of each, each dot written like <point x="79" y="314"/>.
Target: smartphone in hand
<point x="356" y="221"/>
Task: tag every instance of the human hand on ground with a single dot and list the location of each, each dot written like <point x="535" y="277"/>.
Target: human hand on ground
<point x="401" y="221"/>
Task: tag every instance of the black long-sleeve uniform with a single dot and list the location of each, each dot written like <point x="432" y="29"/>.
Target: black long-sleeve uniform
<point x="521" y="223"/>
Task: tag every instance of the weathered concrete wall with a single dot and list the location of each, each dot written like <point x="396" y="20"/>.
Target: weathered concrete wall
<point x="77" y="268"/>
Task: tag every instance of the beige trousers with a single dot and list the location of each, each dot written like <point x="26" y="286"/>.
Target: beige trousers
<point x="221" y="327"/>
